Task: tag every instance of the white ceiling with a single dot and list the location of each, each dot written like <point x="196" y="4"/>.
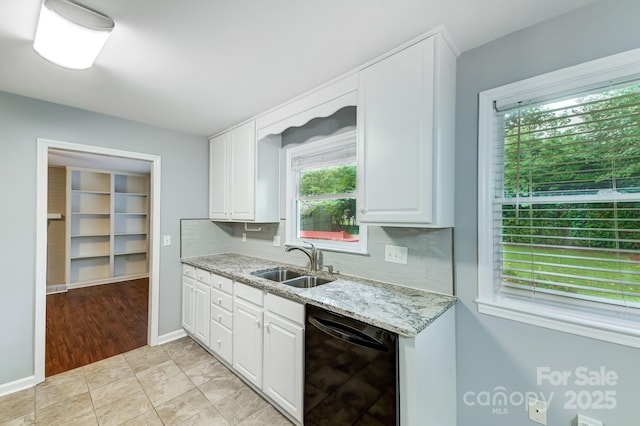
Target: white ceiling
<point x="200" y="66"/>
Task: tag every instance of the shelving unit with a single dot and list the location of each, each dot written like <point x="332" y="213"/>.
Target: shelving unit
<point x="108" y="234"/>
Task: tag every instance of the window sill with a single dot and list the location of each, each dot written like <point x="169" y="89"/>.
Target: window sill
<point x="587" y="323"/>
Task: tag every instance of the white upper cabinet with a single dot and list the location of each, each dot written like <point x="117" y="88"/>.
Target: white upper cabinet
<point x="218" y="177"/>
<point x="244" y="176"/>
<point x="405" y="137"/>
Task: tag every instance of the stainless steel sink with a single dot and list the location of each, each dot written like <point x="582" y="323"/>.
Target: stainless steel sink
<point x="277" y="274"/>
<point x="291" y="278"/>
<point x="306" y="281"/>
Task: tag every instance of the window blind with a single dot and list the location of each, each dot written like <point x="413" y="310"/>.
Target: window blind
<point x="334" y="155"/>
<point x="567" y="197"/>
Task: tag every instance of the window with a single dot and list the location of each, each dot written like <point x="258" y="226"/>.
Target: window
<point x="559" y="200"/>
<point x="321" y="194"/>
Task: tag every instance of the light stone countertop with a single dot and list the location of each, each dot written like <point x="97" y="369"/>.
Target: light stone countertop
<point x="403" y="310"/>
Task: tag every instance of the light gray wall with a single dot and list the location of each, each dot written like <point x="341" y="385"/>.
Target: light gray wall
<point x="495" y="352"/>
<point x="184" y="194"/>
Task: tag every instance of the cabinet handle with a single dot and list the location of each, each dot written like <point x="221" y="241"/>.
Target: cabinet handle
<point x="219" y="318"/>
<point x="258" y="323"/>
<point x="363" y="210"/>
<point x="266" y="327"/>
<point x="219" y="301"/>
<point x="219" y="342"/>
<point x="219" y="284"/>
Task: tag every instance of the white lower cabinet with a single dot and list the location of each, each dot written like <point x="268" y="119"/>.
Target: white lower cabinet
<point x="201" y="312"/>
<point x="187" y="303"/>
<point x="221" y="321"/>
<point x="283" y="354"/>
<point x="247" y="332"/>
<point x="260" y="335"/>
<point x="195" y="303"/>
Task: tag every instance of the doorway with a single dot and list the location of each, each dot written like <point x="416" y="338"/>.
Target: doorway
<point x="97" y="157"/>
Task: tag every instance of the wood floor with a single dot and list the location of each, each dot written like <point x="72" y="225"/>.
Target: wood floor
<point x="89" y="324"/>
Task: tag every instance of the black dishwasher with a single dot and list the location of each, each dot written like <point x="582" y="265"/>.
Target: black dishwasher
<point x="351" y="372"/>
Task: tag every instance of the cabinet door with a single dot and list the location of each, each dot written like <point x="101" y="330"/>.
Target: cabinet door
<point x="395" y="143"/>
<point x="201" y="315"/>
<point x="218" y="177"/>
<point x="242" y="167"/>
<point x="247" y="341"/>
<point x="187" y="303"/>
<point x="283" y="363"/>
<point x="221" y="341"/>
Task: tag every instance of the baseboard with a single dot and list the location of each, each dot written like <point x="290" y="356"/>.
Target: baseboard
<point x="169" y="337"/>
<point x="56" y="288"/>
<point x="17" y="385"/>
<point x="113" y="280"/>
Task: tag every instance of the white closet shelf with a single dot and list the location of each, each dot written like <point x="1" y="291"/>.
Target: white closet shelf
<point x="130" y="194"/>
<point x="89" y="256"/>
<point x="108" y="227"/>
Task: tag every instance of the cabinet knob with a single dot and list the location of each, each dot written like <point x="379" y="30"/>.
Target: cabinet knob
<point x="363" y="210"/>
<point x="219" y="342"/>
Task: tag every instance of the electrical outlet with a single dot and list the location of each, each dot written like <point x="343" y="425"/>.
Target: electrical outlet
<point x="537" y="411"/>
<point x="396" y="254"/>
<point x="582" y="420"/>
<point x="244" y="237"/>
<point x="276" y="240"/>
<point x="166" y="240"/>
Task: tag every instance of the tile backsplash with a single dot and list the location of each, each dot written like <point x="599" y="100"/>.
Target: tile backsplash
<point x="429" y="266"/>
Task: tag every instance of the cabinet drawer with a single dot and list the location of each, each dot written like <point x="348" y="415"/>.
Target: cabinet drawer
<point x="189" y="271"/>
<point x="203" y="276"/>
<point x="222" y="283"/>
<point x="221" y="341"/>
<point x="221" y="299"/>
<point x="251" y="294"/>
<point x="286" y="308"/>
<point x="221" y="316"/>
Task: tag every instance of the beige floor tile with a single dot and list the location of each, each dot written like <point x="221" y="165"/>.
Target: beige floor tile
<point x="145" y="357"/>
<point x="17" y="405"/>
<point x="60" y="387"/>
<point x="179" y="346"/>
<point x="192" y="356"/>
<point x="66" y="412"/>
<point x="208" y="417"/>
<point x="88" y="419"/>
<point x="124" y="409"/>
<point x="26" y="420"/>
<point x="157" y="373"/>
<point x="240" y="405"/>
<point x="148" y="418"/>
<point x="112" y="362"/>
<point x="222" y="384"/>
<point x="267" y="416"/>
<point x="201" y="372"/>
<point x="107" y="371"/>
<point x="183" y="407"/>
<point x="168" y="388"/>
<point x="115" y="391"/>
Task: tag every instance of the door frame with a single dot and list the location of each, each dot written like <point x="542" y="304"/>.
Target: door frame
<point x="43" y="146"/>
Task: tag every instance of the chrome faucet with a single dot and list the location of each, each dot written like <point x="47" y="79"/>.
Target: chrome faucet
<point x="311" y="253"/>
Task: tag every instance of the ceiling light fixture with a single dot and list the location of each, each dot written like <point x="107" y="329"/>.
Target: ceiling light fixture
<point x="71" y="35"/>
